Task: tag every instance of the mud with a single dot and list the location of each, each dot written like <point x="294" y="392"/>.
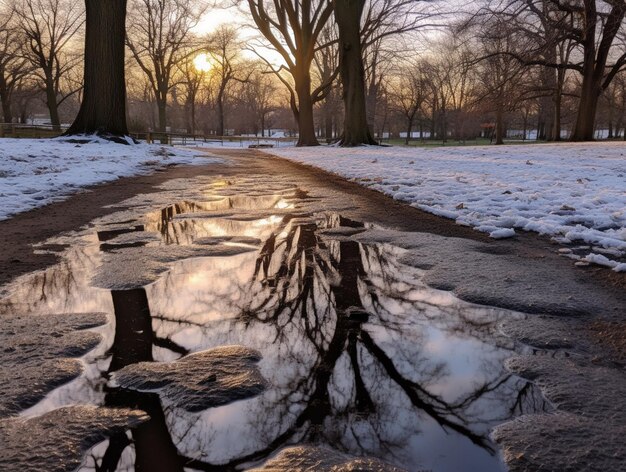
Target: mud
<point x="587" y="430"/>
<point x="57" y="441"/>
<point x="37" y="354"/>
<point x="199" y="381"/>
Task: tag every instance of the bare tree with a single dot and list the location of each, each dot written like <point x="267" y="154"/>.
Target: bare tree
<point x="595" y="28"/>
<point x="49" y="27"/>
<point x="13" y="67"/>
<point x="385" y="26"/>
<point x="292" y="28"/>
<point x="260" y="94"/>
<point x="409" y="92"/>
<point x="159" y="37"/>
<point x="615" y="106"/>
<point x="502" y="75"/>
<point x="454" y="79"/>
<point x="192" y="79"/>
<point x="224" y="47"/>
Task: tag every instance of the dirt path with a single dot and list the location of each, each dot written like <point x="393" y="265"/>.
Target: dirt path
<point x="21" y="232"/>
<point x="577" y="306"/>
<point x="525" y="273"/>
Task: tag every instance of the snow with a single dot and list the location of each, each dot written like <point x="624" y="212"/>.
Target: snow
<point x="574" y="192"/>
<point x="605" y="261"/>
<point x="36" y="172"/>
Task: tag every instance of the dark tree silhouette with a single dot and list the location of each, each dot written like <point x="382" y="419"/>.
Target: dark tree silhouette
<point x="348" y="17"/>
<point x="49" y="27"/>
<point x="594" y="31"/>
<point x="13" y="67"/>
<point x="291" y="292"/>
<point x="293" y="29"/>
<point x="103" y="109"/>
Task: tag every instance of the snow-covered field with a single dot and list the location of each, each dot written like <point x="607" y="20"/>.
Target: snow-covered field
<point x="573" y="192"/>
<point x="36" y="172"/>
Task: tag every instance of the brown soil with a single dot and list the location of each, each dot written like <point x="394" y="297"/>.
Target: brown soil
<point x="612" y="335"/>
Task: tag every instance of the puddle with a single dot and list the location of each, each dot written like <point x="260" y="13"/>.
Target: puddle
<point x="357" y="353"/>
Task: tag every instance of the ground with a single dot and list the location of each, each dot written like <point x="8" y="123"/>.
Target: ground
<point x="572" y="306"/>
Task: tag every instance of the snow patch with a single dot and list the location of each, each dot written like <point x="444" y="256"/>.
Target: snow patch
<point x="574" y="192"/>
<point x="36" y="172"/>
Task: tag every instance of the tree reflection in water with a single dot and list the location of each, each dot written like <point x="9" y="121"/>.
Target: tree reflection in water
<point x="358" y="353"/>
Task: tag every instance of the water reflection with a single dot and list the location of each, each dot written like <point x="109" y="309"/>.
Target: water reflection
<point x="358" y="353"/>
<point x="133" y="343"/>
<point x="185" y="222"/>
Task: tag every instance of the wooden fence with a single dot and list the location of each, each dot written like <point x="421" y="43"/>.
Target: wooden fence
<point x="15" y="130"/>
<point x="181" y="139"/>
<point x="19" y="130"/>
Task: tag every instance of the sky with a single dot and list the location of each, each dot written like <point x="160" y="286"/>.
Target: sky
<point x="217" y="16"/>
<point x="233" y="16"/>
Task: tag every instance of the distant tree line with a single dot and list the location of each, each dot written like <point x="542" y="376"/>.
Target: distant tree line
<point x="351" y="71"/>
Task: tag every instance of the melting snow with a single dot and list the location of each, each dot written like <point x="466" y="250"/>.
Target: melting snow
<point x="573" y="192"/>
<point x="36" y="172"/>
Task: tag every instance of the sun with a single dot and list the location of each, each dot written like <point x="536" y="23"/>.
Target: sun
<point x="202" y="63"/>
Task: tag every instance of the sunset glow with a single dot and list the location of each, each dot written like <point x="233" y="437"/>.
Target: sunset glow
<point x="202" y="63"/>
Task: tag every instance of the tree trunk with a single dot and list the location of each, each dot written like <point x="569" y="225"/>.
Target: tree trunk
<point x="409" y="130"/>
<point x="306" y="124"/>
<point x="586" y="117"/>
<point x="592" y="76"/>
<point x="5" y="98"/>
<point x="103" y="109"/>
<point x="53" y="107"/>
<point x="444" y="125"/>
<point x="348" y="17"/>
<point x="499" y="126"/>
<point x="328" y="127"/>
<point x="556" y="131"/>
<point x="541" y="128"/>
<point x="433" y="119"/>
<point x="162" y="111"/>
<point x="220" y="113"/>
<point x="328" y="118"/>
<point x="550" y="105"/>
